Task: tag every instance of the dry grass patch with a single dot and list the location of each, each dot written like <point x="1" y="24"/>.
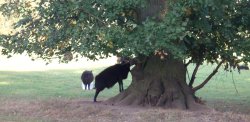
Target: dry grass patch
<point x="67" y="110"/>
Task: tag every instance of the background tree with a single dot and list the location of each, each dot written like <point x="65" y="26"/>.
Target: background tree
<point x="162" y="36"/>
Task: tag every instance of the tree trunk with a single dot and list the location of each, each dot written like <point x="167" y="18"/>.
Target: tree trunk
<point x="158" y="83"/>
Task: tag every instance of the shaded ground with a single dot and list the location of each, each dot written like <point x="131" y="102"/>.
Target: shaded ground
<point x="235" y="107"/>
<point x="71" y="110"/>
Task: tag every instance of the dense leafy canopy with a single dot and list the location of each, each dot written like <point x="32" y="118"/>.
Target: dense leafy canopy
<point x="201" y="30"/>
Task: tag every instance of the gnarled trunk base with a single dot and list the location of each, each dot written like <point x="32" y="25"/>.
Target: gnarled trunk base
<point x="158" y="83"/>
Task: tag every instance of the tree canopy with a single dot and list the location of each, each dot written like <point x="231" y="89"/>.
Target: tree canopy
<point x="198" y="29"/>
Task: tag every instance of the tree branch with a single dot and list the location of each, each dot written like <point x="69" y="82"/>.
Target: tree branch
<point x="91" y="15"/>
<point x="188" y="62"/>
<point x="194" y="74"/>
<point x="234" y="83"/>
<point x="208" y="78"/>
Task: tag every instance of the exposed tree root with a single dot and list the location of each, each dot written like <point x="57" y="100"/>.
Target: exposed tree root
<point x="159" y="84"/>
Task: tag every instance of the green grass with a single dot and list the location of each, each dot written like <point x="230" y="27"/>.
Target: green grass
<point x="224" y="86"/>
<point x="67" y="84"/>
<point x="49" y="84"/>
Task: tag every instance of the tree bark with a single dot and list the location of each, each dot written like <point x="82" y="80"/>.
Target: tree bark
<point x="194" y="74"/>
<point x="158" y="83"/>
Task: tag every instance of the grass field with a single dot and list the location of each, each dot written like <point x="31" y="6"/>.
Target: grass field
<point x="67" y="83"/>
<point x="32" y="87"/>
<point x="48" y="84"/>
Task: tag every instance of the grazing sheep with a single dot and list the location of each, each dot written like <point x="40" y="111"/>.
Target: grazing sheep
<point x="243" y="67"/>
<point x="110" y="76"/>
<point x="87" y="77"/>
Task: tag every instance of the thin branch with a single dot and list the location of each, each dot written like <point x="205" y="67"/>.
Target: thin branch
<point x="208" y="78"/>
<point x="97" y="18"/>
<point x="234" y="84"/>
<point x="186" y="65"/>
<point x="194" y="74"/>
<point x="188" y="76"/>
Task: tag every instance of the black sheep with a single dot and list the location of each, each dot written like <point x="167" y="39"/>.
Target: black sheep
<point x="87" y="77"/>
<point x="110" y="76"/>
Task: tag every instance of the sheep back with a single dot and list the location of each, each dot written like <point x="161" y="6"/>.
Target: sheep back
<point x="111" y="75"/>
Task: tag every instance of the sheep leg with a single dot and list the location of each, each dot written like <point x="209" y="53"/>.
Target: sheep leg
<point x="85" y="86"/>
<point x="89" y="86"/>
<point x="96" y="94"/>
<point x="120" y="85"/>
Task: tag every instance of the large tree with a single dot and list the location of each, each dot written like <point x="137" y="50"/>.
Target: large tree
<point x="162" y="36"/>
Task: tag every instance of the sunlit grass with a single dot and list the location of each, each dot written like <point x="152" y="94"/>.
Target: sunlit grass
<point x="4" y="83"/>
<point x="227" y="86"/>
<point x="50" y="84"/>
<point x="248" y="79"/>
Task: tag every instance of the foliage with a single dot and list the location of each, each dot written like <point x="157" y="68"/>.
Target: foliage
<point x="218" y="29"/>
<point x="202" y="30"/>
